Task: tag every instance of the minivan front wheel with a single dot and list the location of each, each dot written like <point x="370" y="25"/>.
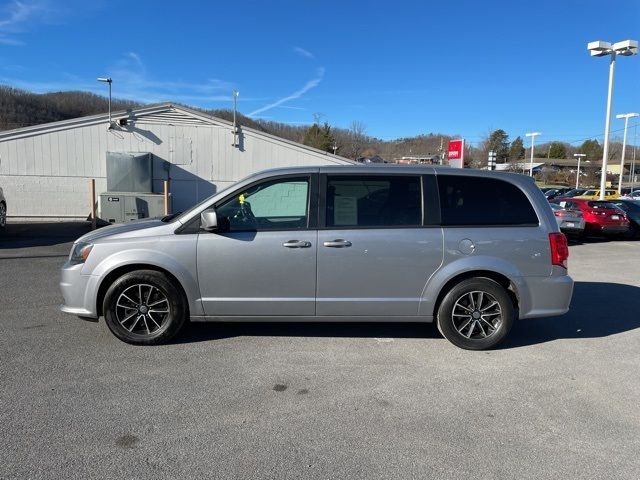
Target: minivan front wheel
<point x="476" y="314"/>
<point x="144" y="307"/>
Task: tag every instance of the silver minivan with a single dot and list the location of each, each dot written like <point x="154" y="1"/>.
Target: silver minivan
<point x="471" y="250"/>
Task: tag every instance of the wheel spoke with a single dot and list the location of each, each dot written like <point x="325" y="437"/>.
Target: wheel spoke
<point x="129" y="317"/>
<point x="123" y="295"/>
<point x="135" y="323"/>
<point x="140" y="294"/>
<point x="159" y="311"/>
<point x="144" y="319"/>
<point x="491" y="313"/>
<point x="463" y="307"/>
<point x="149" y="295"/>
<point x="472" y="301"/>
<point x="465" y="325"/>
<point x="470" y="331"/>
<point x="492" y="304"/>
<point x="157" y="303"/>
<point x="125" y="306"/>
<point x="153" y="320"/>
<point x="480" y="300"/>
<point x="484" y="334"/>
<point x="489" y="324"/>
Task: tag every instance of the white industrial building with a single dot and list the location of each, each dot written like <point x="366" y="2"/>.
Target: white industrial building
<point x="45" y="170"/>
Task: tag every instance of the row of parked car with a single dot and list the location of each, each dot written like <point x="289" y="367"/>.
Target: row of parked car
<point x="580" y="212"/>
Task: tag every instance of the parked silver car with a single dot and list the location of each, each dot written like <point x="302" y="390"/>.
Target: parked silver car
<point x="3" y="209"/>
<point x="468" y="249"/>
<point x="570" y="221"/>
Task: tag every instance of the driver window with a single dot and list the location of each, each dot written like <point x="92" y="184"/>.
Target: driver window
<point x="274" y="205"/>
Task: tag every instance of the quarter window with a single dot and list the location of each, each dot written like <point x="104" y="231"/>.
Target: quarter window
<point x="483" y="201"/>
<point x="373" y="201"/>
<point x="274" y="205"/>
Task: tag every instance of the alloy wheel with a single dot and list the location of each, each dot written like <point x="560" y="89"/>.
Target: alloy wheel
<point x="142" y="309"/>
<point x="477" y="315"/>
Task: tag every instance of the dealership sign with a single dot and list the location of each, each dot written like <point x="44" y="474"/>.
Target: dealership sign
<point x="456" y="153"/>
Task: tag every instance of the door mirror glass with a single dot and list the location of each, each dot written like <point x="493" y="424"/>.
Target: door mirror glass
<point x="209" y="220"/>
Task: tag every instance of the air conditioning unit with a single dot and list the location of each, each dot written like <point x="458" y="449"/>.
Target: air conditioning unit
<point x="124" y="207"/>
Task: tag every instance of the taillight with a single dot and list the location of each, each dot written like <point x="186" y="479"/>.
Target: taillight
<point x="559" y="249"/>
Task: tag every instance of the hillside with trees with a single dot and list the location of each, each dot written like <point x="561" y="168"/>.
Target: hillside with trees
<point x="19" y="108"/>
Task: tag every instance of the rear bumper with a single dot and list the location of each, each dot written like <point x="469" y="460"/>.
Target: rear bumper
<point x="78" y="291"/>
<point x="606" y="229"/>
<point x="547" y="296"/>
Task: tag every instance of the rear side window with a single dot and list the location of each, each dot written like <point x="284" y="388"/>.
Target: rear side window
<point x="373" y="201"/>
<point x="483" y="201"/>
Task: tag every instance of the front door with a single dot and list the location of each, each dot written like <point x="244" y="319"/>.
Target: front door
<point x="262" y="261"/>
<point x="375" y="251"/>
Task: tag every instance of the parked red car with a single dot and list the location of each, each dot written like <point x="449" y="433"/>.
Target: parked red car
<point x="601" y="217"/>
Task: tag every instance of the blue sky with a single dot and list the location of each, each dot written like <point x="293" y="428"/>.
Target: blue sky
<point x="402" y="68"/>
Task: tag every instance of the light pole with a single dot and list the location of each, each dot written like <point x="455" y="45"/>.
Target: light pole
<point x="626" y="117"/>
<point x="109" y="81"/>
<point x="533" y="136"/>
<point x="600" y="49"/>
<point x="579" y="156"/>
<point x="235" y="95"/>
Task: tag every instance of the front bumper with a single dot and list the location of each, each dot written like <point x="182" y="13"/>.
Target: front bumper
<point x="79" y="291"/>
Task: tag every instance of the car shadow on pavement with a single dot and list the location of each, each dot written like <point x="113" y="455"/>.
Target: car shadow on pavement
<point x="597" y="310"/>
<point x="45" y="234"/>
<point x="204" y="331"/>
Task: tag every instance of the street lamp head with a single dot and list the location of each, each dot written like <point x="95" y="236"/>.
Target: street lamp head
<point x="532" y="134"/>
<point x="579" y="154"/>
<point x="626" y="47"/>
<point x="599" y="48"/>
<point x="627" y="115"/>
<point x="105" y="79"/>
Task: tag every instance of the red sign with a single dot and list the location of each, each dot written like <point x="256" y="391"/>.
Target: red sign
<point x="456" y="153"/>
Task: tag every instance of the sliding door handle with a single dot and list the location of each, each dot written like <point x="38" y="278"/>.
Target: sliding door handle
<point x="338" y="243"/>
<point x="297" y="244"/>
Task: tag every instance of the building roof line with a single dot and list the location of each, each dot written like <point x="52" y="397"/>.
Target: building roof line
<point x="148" y="110"/>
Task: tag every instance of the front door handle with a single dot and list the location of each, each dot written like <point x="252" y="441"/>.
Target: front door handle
<point x="338" y="243"/>
<point x="297" y="244"/>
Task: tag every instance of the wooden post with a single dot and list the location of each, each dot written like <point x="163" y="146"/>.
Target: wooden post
<point x="166" y="197"/>
<point x="92" y="199"/>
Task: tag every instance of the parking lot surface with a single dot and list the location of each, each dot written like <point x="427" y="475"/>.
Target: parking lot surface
<point x="559" y="399"/>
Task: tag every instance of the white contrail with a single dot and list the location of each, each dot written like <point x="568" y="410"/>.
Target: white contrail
<point x="297" y="94"/>
<point x="303" y="52"/>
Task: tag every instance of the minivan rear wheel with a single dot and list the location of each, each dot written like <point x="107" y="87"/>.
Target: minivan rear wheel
<point x="476" y="314"/>
<point x="144" y="307"/>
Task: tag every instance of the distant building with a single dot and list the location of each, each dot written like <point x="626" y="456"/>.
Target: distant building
<point x="45" y="169"/>
<point x="419" y="159"/>
<point x="374" y="159"/>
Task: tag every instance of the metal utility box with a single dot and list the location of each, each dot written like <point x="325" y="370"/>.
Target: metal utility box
<point x="130" y="172"/>
<point x="128" y="206"/>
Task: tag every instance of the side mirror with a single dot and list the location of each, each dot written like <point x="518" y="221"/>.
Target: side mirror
<point x="209" y="220"/>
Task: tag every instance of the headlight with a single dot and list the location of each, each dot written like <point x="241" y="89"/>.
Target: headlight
<point x="80" y="252"/>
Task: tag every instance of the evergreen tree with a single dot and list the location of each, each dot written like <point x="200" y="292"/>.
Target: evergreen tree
<point x="557" y="150"/>
<point x="319" y="137"/>
<point x="516" y="151"/>
<point x="499" y="143"/>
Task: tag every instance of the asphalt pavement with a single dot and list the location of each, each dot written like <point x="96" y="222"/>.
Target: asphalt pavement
<point x="559" y="399"/>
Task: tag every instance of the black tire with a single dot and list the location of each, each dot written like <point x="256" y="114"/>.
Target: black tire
<point x="463" y="297"/>
<point x="158" y="293"/>
<point x="3" y="215"/>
